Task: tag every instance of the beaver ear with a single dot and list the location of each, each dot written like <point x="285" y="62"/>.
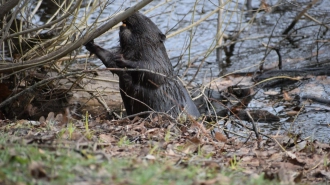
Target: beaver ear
<point x="162" y="37"/>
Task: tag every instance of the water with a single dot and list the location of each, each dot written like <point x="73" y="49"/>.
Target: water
<point x="197" y="46"/>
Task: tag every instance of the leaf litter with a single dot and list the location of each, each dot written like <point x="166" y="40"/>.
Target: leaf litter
<point x="288" y="159"/>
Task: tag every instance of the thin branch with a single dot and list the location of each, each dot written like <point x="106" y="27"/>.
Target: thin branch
<point x="38" y="84"/>
<point x="198" y="22"/>
<point x="73" y="46"/>
<point x="297" y="18"/>
<point x="254" y="128"/>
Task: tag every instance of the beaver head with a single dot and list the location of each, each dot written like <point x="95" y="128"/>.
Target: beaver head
<point x="138" y="31"/>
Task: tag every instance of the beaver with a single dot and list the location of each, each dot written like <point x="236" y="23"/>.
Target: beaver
<point x="145" y="89"/>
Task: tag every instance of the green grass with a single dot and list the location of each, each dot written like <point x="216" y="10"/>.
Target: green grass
<point x="29" y="164"/>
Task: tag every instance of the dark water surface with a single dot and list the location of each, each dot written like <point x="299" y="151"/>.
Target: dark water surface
<point x="197" y="47"/>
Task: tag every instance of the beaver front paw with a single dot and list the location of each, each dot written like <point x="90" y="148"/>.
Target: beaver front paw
<point x="121" y="62"/>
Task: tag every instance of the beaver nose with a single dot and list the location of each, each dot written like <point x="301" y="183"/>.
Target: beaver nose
<point x="124" y="22"/>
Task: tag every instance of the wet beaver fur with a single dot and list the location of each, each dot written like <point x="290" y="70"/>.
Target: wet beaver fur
<point x="142" y="47"/>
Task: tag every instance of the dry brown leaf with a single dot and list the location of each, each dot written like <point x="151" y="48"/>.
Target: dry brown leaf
<point x="277" y="157"/>
<point x="243" y="151"/>
<point x="66" y="117"/>
<point x="107" y="138"/>
<point x="141" y="128"/>
<point x="50" y="117"/>
<point x="73" y="136"/>
<point x="286" y="96"/>
<point x="297" y="161"/>
<point x="199" y="126"/>
<point x="31" y="110"/>
<point x="195" y="140"/>
<point x="42" y="120"/>
<point x="291" y="155"/>
<point x="249" y="161"/>
<point x="220" y="137"/>
<point x="285" y="165"/>
<point x="59" y="118"/>
<point x="152" y="131"/>
<point x="265" y="6"/>
<point x="261" y="153"/>
<point x="271" y="93"/>
<point x="292" y="113"/>
<point x="189" y="148"/>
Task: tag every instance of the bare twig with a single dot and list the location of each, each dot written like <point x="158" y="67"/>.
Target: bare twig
<point x="6" y="29"/>
<point x="70" y="47"/>
<point x="42" y="82"/>
<point x="254" y="128"/>
<point x="45" y="25"/>
<point x="198" y="22"/>
<point x="297" y="18"/>
<point x="315" y="20"/>
<point x="277" y="50"/>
